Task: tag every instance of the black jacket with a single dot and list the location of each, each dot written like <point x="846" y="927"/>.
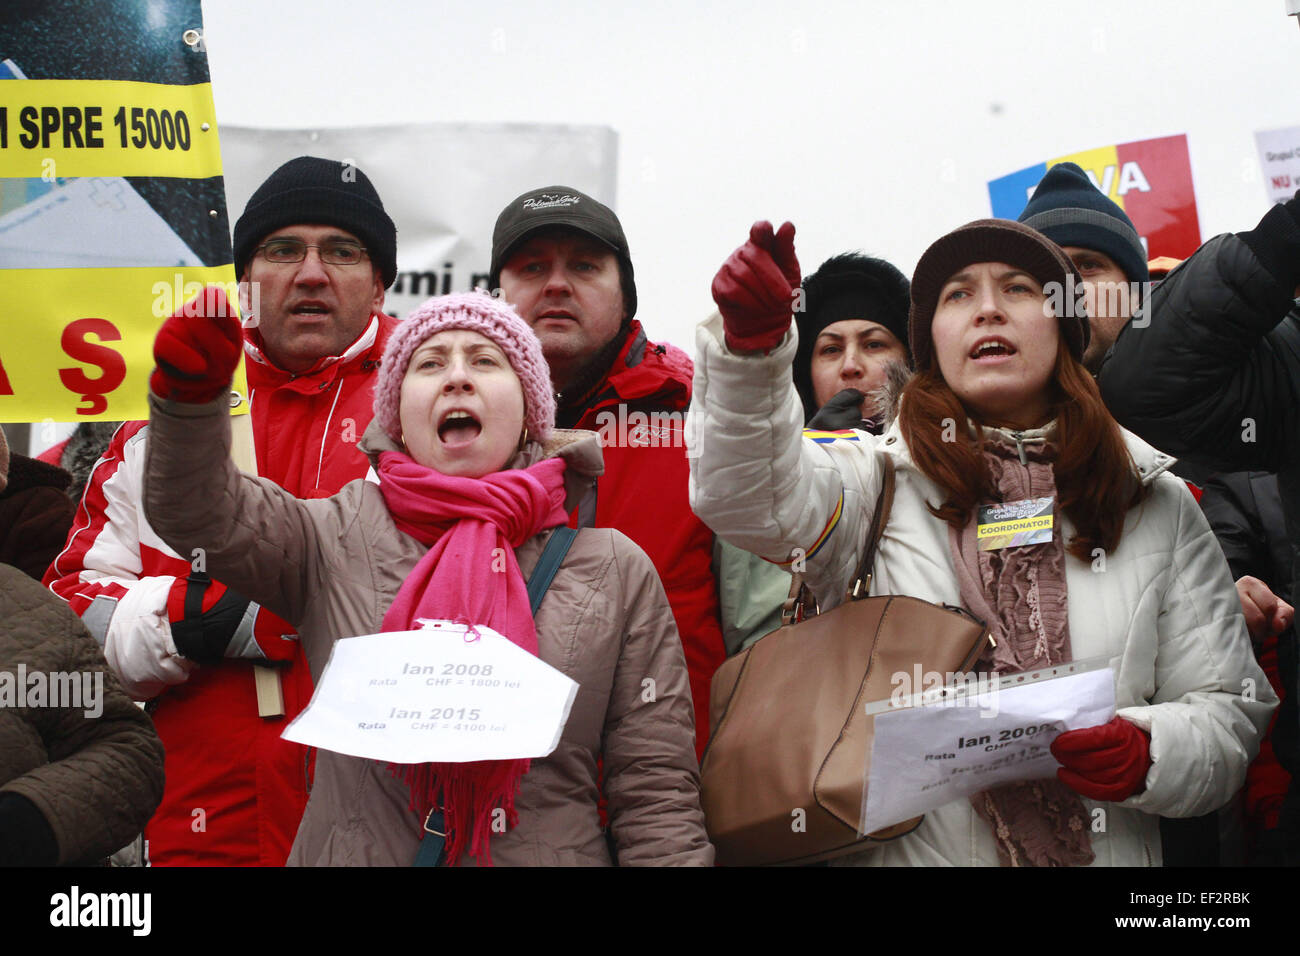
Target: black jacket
<point x="1214" y="376"/>
<point x="1244" y="509"/>
<point x="1209" y="370"/>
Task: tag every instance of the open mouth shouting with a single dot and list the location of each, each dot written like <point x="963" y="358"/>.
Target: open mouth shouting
<point x="458" y="428"/>
<point x="991" y="350"/>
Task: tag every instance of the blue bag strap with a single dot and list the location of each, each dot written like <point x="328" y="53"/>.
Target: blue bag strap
<point x="557" y="546"/>
<point x="433" y="842"/>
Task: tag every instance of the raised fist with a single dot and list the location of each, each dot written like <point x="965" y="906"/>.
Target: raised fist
<point x="197" y="350"/>
<point x="754" y="289"/>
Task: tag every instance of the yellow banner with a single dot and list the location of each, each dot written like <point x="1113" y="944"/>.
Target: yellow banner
<point x="75" y="128"/>
<point x="78" y="343"/>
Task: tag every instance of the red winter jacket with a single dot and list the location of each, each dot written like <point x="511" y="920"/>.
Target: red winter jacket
<point x="639" y="410"/>
<point x="235" y="791"/>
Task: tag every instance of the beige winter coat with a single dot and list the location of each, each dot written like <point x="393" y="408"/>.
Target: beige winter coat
<point x="333" y="566"/>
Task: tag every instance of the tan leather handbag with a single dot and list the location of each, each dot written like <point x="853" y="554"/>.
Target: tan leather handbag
<point x="784" y="774"/>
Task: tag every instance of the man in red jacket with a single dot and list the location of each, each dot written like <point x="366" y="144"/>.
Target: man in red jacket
<point x="561" y="259"/>
<point x="223" y="678"/>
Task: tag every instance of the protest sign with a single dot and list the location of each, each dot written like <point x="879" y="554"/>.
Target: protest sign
<point x="1150" y="179"/>
<point x="112" y="212"/>
<point x="1279" y="159"/>
<point x="446" y="693"/>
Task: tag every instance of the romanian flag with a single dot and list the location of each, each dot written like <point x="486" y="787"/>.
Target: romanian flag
<point x="826" y="437"/>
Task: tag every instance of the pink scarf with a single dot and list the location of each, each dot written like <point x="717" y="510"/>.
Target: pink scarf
<point x="475" y="524"/>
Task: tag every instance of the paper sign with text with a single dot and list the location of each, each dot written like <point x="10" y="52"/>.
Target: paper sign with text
<point x="1279" y="160"/>
<point x="924" y="757"/>
<point x="447" y="693"/>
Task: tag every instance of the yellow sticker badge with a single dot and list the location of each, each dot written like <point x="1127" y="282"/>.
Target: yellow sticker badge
<point x="1014" y="524"/>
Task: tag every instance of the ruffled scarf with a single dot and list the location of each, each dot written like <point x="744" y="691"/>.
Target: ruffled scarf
<point x="1021" y="594"/>
<point x="469" y="574"/>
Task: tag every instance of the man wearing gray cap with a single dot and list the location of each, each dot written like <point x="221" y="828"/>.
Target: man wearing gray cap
<point x="562" y="260"/>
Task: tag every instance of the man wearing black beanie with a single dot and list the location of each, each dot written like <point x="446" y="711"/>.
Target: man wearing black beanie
<point x="223" y="676"/>
<point x="1101" y="240"/>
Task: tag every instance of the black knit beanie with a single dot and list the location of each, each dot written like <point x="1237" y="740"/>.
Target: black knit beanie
<point x="313" y="191"/>
<point x="1068" y="209"/>
<point x="847" y="286"/>
<point x="994" y="240"/>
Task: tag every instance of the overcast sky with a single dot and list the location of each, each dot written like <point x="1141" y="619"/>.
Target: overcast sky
<point x="871" y="125"/>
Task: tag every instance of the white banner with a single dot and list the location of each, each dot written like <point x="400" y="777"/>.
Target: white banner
<point x="443" y="184"/>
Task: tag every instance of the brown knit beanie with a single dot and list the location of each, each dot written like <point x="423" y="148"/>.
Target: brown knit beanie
<point x="4" y="461"/>
<point x="995" y="240"/>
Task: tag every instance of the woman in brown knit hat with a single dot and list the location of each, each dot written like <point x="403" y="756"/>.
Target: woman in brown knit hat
<point x="1000" y="410"/>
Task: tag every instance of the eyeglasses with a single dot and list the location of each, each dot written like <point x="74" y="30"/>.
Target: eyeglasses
<point x="335" y="252"/>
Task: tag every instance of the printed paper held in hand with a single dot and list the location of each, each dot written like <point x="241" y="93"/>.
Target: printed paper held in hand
<point x="435" y="695"/>
<point x="924" y="757"/>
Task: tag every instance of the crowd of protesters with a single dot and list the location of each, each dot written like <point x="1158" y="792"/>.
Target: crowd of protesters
<point x="214" y="597"/>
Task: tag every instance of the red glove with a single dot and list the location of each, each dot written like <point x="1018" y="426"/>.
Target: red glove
<point x="197" y="350"/>
<point x="755" y="287"/>
<point x="1107" y="762"/>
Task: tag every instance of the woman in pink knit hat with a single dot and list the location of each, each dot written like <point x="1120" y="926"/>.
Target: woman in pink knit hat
<point x="473" y="481"/>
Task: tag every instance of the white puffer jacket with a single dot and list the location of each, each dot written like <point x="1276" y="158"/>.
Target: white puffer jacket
<point x="1162" y="606"/>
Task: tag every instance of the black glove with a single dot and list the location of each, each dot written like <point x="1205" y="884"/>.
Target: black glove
<point x="26" y="838"/>
<point x="1276" y="242"/>
<point x="203" y="635"/>
<point x="844" y="410"/>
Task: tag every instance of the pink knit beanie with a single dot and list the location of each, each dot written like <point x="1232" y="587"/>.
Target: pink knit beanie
<point x="478" y="312"/>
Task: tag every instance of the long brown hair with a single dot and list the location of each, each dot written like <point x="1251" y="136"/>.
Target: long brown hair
<point x="1096" y="481"/>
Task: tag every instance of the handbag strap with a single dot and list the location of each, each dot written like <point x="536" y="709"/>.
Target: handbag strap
<point x="884" y="504"/>
<point x="797" y="601"/>
<point x="433" y="836"/>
